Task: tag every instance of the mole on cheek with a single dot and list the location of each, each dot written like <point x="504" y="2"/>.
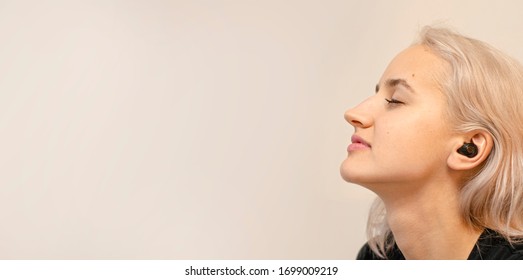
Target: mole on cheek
<point x="413" y="75"/>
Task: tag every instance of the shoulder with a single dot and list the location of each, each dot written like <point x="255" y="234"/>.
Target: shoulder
<point x="366" y="253"/>
<point x="492" y="246"/>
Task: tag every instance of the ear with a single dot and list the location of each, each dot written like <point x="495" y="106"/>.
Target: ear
<point x="482" y="139"/>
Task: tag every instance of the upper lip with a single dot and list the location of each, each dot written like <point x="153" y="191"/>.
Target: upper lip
<point x="358" y="139"/>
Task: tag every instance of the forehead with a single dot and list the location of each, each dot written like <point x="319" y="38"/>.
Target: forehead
<point x="418" y="65"/>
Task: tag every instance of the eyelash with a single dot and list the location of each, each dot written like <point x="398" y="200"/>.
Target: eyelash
<point x="393" y="101"/>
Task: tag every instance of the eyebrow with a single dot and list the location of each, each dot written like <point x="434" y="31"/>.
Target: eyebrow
<point x="395" y="83"/>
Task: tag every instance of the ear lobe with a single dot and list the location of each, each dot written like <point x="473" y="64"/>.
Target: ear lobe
<point x="460" y="161"/>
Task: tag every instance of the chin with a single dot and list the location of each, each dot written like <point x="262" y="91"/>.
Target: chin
<point x="350" y="173"/>
<point x="357" y="174"/>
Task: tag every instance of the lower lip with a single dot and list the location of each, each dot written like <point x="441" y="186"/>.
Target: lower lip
<point x="357" y="146"/>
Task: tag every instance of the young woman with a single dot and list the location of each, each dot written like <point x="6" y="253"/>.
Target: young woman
<point x="441" y="144"/>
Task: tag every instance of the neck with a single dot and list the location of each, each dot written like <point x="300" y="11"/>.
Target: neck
<point x="428" y="225"/>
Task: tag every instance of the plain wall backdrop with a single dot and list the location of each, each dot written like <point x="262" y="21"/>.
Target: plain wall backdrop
<point x="197" y="129"/>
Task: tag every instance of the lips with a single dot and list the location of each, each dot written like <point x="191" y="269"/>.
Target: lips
<point x="358" y="144"/>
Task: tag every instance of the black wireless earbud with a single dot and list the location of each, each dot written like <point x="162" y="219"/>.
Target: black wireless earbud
<point x="468" y="149"/>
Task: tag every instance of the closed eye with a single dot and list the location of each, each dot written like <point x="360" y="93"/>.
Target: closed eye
<point x="393" y="101"/>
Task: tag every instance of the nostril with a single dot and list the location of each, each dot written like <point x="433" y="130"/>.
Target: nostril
<point x="356" y="123"/>
<point x="357" y="118"/>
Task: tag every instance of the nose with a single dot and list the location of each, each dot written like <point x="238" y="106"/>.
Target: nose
<point x="359" y="116"/>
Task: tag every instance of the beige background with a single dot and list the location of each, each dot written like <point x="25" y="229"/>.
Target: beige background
<point x="197" y="129"/>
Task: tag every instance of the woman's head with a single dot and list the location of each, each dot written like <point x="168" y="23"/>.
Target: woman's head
<point x="446" y="90"/>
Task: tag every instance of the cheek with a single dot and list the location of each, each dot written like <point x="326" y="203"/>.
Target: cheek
<point x="413" y="143"/>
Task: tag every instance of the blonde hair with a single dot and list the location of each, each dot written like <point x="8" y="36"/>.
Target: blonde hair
<point x="484" y="90"/>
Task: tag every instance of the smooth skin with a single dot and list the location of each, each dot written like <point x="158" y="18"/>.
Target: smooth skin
<point x="412" y="163"/>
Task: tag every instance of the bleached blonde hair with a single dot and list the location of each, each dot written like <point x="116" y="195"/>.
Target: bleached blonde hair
<point x="484" y="90"/>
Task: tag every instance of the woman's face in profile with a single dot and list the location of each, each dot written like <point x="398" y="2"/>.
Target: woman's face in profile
<point x="402" y="136"/>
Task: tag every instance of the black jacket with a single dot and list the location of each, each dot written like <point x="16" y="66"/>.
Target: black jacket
<point x="490" y="246"/>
